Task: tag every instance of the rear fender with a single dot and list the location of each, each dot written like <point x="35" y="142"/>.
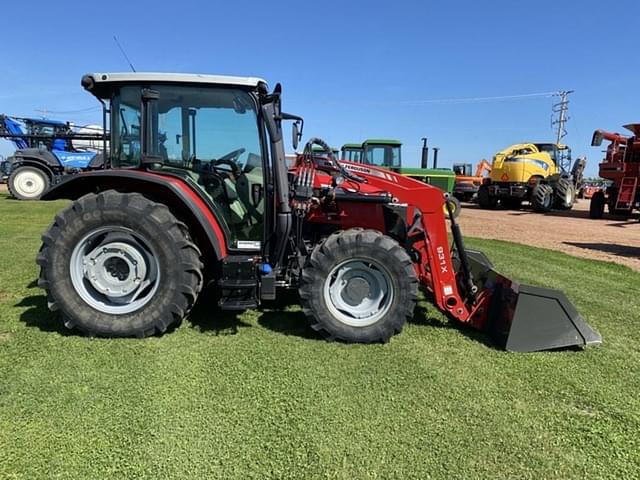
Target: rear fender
<point x="183" y="201"/>
<point x="20" y="161"/>
<point x="39" y="155"/>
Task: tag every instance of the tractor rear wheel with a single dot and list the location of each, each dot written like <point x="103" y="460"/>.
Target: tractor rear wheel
<point x="565" y="194"/>
<point x="118" y="265"/>
<point x="358" y="286"/>
<point x="485" y="199"/>
<point x="542" y="198"/>
<point x="27" y="183"/>
<point x="596" y="206"/>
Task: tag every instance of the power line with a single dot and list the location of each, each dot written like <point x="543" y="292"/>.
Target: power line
<point x="464" y="100"/>
<point x="64" y="112"/>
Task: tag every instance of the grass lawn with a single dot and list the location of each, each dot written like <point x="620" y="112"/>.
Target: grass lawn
<point x="258" y="395"/>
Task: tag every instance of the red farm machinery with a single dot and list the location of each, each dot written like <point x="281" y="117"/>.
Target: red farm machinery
<point x="199" y="194"/>
<point x="621" y="166"/>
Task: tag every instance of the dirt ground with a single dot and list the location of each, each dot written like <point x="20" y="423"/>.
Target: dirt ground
<point x="611" y="238"/>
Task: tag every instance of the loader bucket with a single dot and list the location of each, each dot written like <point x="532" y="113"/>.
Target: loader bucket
<point x="524" y="318"/>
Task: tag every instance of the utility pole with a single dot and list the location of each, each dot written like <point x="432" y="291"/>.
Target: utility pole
<point x="559" y="115"/>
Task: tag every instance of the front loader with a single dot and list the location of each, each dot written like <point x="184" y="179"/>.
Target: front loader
<point x="199" y="193"/>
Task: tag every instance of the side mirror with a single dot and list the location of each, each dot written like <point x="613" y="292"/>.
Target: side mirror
<point x="298" y="126"/>
<point x="296" y="135"/>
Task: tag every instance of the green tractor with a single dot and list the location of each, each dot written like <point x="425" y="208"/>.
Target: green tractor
<point x="318" y="150"/>
<point x="387" y="154"/>
<point x="351" y="152"/>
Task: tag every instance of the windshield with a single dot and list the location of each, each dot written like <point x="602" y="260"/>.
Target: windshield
<point x="352" y="155"/>
<point x="207" y="134"/>
<point x="383" y="155"/>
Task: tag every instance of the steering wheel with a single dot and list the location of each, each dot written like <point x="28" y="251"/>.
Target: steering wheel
<point x="230" y="160"/>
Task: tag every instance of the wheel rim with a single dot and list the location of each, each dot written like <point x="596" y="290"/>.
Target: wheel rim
<point x="453" y="205"/>
<point x="114" y="270"/>
<point x="568" y="197"/>
<point x="29" y="183"/>
<point x="358" y="292"/>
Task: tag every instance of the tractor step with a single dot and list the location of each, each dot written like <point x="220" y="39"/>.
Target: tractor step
<point x="238" y="283"/>
<point x="236" y="304"/>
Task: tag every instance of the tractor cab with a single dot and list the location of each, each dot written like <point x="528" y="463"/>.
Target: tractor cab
<point x="319" y="151"/>
<point x="464" y="169"/>
<point x="351" y="152"/>
<point x="33" y="132"/>
<point x="382" y="153"/>
<point x="559" y="154"/>
<point x="207" y="131"/>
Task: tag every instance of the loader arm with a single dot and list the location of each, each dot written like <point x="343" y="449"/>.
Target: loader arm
<point x="427" y="238"/>
<point x="519" y="317"/>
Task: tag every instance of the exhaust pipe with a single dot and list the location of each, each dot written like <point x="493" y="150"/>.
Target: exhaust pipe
<point x="424" y="163"/>
<point x="435" y="157"/>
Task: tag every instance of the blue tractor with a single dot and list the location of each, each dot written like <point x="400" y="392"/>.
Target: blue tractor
<point x="46" y="151"/>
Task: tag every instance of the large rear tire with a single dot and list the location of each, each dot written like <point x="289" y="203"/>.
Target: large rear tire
<point x="27" y="183"/>
<point x="485" y="199"/>
<point x="542" y="198"/>
<point x="358" y="286"/>
<point x="565" y="194"/>
<point x="118" y="265"/>
<point x="596" y="206"/>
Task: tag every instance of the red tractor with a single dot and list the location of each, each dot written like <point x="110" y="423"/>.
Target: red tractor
<point x="199" y="193"/>
<point x="621" y="165"/>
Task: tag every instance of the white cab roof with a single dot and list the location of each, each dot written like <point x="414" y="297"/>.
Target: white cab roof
<point x="152" y="77"/>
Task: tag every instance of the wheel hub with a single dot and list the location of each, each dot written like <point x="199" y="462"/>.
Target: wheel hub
<point x="115" y="269"/>
<point x="358" y="292"/>
<point x="568" y="197"/>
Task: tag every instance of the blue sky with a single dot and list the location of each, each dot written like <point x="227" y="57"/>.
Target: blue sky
<point x="352" y="69"/>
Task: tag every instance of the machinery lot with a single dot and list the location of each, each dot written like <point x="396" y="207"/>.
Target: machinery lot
<point x="261" y="395"/>
<point x="612" y="238"/>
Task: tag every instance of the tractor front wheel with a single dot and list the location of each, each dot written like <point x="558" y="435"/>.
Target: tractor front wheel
<point x="27" y="183"/>
<point x="565" y="193"/>
<point x="358" y="286"/>
<point x="542" y="198"/>
<point x="118" y="265"/>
